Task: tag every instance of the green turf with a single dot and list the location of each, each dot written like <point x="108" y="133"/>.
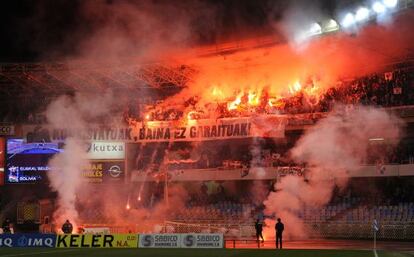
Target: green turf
<point x="19" y="252"/>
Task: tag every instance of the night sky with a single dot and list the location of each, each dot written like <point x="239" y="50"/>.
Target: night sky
<point x="35" y="30"/>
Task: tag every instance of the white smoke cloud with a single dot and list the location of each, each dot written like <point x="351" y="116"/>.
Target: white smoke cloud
<point x="334" y="146"/>
<point x="76" y="113"/>
<point x="66" y="179"/>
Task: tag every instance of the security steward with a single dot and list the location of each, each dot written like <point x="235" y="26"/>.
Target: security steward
<point x="279" y="227"/>
<point x="67" y="227"/>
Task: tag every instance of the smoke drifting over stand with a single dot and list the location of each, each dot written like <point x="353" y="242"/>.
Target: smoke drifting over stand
<point x="334" y="147"/>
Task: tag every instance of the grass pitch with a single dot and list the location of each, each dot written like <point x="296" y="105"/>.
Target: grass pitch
<point x="88" y="252"/>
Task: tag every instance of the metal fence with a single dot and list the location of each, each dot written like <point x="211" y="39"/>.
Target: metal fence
<point x="247" y="231"/>
<point x="319" y="230"/>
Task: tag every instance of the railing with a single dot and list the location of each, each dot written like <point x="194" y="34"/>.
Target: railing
<point x="362" y="231"/>
<point x="246" y="232"/>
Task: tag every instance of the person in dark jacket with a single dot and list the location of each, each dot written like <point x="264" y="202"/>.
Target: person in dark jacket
<point x="258" y="225"/>
<point x="6" y="226"/>
<point x="279" y="231"/>
<point x="67" y="227"/>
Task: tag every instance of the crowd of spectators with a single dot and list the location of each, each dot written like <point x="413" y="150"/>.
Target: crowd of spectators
<point x="395" y="88"/>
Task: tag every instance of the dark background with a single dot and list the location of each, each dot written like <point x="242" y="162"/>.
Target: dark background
<point x="36" y="30"/>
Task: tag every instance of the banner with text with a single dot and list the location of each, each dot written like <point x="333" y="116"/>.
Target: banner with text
<point x="162" y="131"/>
<point x="106" y="150"/>
<point x="27" y="240"/>
<point x="159" y="240"/>
<point x="202" y="241"/>
<point x="202" y="130"/>
<point x="104" y="171"/>
<point x="192" y="240"/>
<point x="97" y="241"/>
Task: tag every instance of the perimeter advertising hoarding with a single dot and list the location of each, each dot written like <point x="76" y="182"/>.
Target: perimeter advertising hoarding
<point x="159" y="240"/>
<point x="97" y="241"/>
<point x="28" y="240"/>
<point x="193" y="240"/>
<point x="202" y="241"/>
<point x="2" y="159"/>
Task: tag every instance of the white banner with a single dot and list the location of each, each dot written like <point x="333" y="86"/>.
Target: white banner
<point x="159" y="241"/>
<point x="202" y="130"/>
<point x="7" y="130"/>
<point x="106" y="151"/>
<point x="202" y="241"/>
<point x="272" y="126"/>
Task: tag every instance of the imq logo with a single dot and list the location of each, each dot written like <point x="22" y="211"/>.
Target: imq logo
<point x="23" y="241"/>
<point x="27" y="240"/>
<point x="147" y="240"/>
<point x="189" y="240"/>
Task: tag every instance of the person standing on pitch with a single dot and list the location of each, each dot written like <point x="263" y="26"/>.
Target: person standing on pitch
<point x="6" y="226"/>
<point x="258" y="225"/>
<point x="279" y="231"/>
<point x="67" y="227"/>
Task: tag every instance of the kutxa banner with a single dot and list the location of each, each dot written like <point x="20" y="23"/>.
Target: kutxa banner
<point x="161" y="131"/>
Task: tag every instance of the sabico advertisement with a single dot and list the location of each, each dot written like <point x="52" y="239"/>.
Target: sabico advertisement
<point x="97" y="241"/>
<point x="2" y="159"/>
<point x="104" y="171"/>
<point x="181" y="240"/>
<point x="28" y="240"/>
<point x="202" y="240"/>
<point x="160" y="240"/>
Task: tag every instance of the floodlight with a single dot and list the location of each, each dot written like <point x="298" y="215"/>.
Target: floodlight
<point x="378" y="7"/>
<point x="330" y="26"/>
<point x="348" y="20"/>
<point x="390" y="3"/>
<point x="362" y="14"/>
<point x="315" y="29"/>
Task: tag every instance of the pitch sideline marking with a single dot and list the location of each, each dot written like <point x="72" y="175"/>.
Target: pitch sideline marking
<point x="45" y="252"/>
<point x="375" y="253"/>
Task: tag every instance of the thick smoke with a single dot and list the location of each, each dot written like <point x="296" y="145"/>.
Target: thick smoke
<point x="66" y="180"/>
<point x="81" y="113"/>
<point x="73" y="114"/>
<point x="331" y="149"/>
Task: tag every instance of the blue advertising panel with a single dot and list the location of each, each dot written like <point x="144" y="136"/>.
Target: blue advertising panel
<point x="27" y="162"/>
<point x="27" y="240"/>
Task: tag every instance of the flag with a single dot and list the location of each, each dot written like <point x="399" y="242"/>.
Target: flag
<point x="375" y="225"/>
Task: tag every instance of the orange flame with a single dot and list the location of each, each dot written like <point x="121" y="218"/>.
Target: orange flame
<point x="217" y="93"/>
<point x="254" y="98"/>
<point x="236" y="103"/>
<point x="296" y="87"/>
